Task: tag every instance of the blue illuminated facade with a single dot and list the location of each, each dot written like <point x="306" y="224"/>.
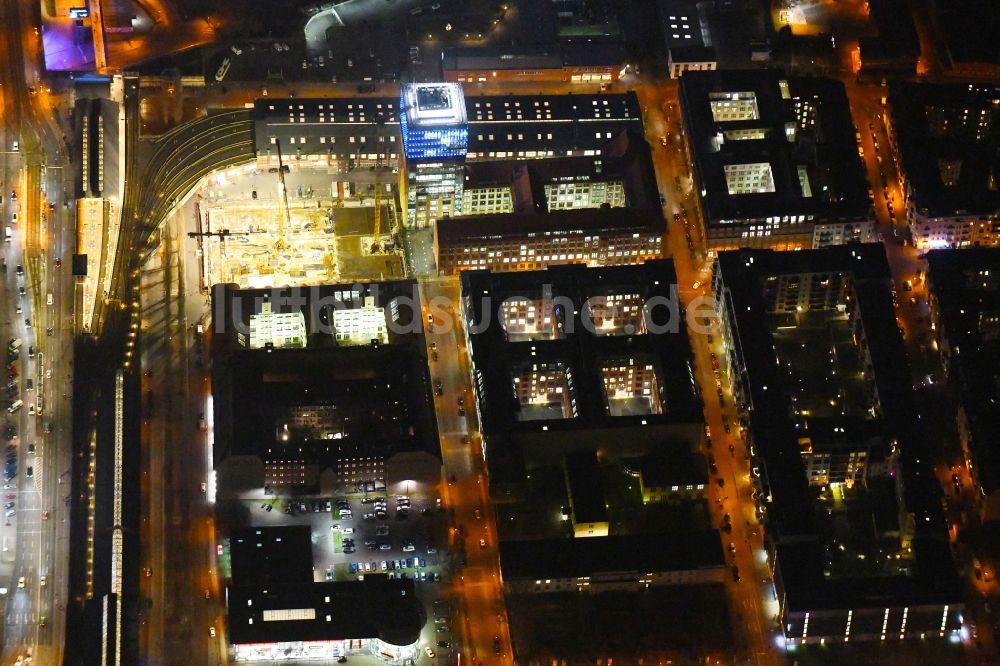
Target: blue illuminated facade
<point x="433" y="122"/>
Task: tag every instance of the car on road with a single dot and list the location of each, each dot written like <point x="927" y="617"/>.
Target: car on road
<point x="41" y="581"/>
<point x="429" y="652"/>
<point x="497" y="647"/>
<point x="211" y="632"/>
<point x="21" y="582"/>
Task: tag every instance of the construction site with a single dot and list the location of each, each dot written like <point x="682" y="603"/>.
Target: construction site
<point x="260" y="226"/>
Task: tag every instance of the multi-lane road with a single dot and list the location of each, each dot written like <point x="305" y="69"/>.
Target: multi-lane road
<point x="181" y="156"/>
<point x="477" y="585"/>
<point x="35" y="533"/>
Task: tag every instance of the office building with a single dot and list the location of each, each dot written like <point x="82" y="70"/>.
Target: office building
<point x="533" y="241"/>
<point x="621" y="176"/>
<point x="895" y="49"/>
<point x="566" y="359"/>
<point x="854" y="531"/>
<point x="435" y="131"/>
<point x="276" y="612"/>
<point x="433" y="121"/>
<point x="583" y="376"/>
<point x="523" y="127"/>
<point x="330" y="133"/>
<point x="350" y="407"/>
<point x="946" y="139"/>
<point x="274" y="329"/>
<point x="442" y="131"/>
<point x="775" y="160"/>
<point x="567" y="63"/>
<point x="963" y="291"/>
<point x="688" y="40"/>
<point x="625" y="563"/>
<point x="672" y="474"/>
<point x="970" y="31"/>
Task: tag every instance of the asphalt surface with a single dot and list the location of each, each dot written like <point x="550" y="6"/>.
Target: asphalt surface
<point x="752" y="601"/>
<point x="34" y="536"/>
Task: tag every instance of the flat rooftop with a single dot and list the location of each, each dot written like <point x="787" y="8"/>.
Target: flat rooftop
<point x="641" y="553"/>
<point x="948" y="143"/>
<point x="971" y="31"/>
<point x="375" y="608"/>
<point x="434" y="104"/>
<point x="271" y="555"/>
<point x="626" y="157"/>
<point x="681" y="25"/>
<point x="755" y="289"/>
<point x="583" y="479"/>
<point x="347" y="373"/>
<point x="476" y="228"/>
<point x="590" y="339"/>
<point x="966" y="292"/>
<point x="534" y="124"/>
<point x="234" y="310"/>
<point x="584" y="335"/>
<point x="324" y="404"/>
<point x="773" y="149"/>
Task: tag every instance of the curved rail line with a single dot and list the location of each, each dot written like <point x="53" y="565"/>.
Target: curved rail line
<point x="181" y="158"/>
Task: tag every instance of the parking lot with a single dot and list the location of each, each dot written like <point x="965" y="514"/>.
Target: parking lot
<point x="354" y="535"/>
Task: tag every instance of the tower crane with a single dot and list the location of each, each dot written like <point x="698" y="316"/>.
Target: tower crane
<point x="380" y="146"/>
<point x="285" y="214"/>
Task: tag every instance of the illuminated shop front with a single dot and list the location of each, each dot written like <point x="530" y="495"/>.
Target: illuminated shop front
<point x="324" y="650"/>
